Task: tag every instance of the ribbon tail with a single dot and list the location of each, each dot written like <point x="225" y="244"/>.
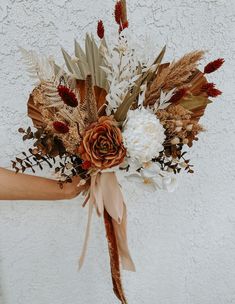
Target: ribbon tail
<point x="85" y="244"/>
<point x="121" y="237"/>
<point x="114" y="258"/>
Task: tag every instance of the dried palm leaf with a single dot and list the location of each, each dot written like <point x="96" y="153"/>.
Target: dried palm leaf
<point x="196" y="82"/>
<point x="174" y="75"/>
<point x="88" y="62"/>
<point x="196" y="105"/>
<point x="197" y="101"/>
<point x="100" y="96"/>
<point x="34" y="107"/>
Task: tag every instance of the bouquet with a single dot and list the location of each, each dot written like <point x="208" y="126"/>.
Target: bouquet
<point x="108" y="111"/>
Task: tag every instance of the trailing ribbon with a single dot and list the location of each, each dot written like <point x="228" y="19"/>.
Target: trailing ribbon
<point x="106" y="196"/>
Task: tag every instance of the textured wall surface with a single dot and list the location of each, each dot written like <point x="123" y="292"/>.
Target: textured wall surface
<point x="183" y="244"/>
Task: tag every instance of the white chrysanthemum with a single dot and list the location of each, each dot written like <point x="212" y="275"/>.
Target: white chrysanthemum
<point x="143" y="135"/>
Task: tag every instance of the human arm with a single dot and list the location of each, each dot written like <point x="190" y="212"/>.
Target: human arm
<point x="27" y="187"/>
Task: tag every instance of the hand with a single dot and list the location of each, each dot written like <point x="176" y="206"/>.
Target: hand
<point x="73" y="189"/>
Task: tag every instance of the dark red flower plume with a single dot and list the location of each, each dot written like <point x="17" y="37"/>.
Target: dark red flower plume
<point x="100" y="29"/>
<point x="210" y="89"/>
<point x="60" y="127"/>
<point x="67" y="96"/>
<point x="86" y="165"/>
<point x="123" y="26"/>
<point x="178" y="95"/>
<point x="118" y="12"/>
<point x="213" y="66"/>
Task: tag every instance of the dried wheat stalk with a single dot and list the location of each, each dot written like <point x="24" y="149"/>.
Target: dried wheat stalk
<point x="174" y="75"/>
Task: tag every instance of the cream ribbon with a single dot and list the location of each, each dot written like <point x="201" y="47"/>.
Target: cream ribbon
<point x="105" y="193"/>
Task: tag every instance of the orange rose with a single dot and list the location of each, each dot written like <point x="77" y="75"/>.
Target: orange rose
<point x="102" y="144"/>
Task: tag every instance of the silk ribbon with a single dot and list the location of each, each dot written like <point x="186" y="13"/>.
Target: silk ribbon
<point x="105" y="193"/>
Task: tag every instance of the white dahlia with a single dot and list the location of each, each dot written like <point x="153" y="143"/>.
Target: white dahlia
<point x="143" y="135"/>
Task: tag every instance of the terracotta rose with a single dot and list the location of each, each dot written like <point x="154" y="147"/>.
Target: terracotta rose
<point x="102" y="144"/>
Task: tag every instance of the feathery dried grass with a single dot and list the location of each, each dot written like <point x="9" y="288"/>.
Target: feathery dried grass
<point x="174" y="75"/>
<point x="89" y="107"/>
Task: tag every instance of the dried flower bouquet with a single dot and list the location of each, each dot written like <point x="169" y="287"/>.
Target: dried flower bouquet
<point x="109" y="111"/>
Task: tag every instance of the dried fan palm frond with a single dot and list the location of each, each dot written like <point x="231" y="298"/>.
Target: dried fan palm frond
<point x="88" y="107"/>
<point x="196" y="82"/>
<point x="197" y="101"/>
<point x="35" y="104"/>
<point x="100" y="94"/>
<point x="88" y="62"/>
<point x="196" y="105"/>
<point x="174" y="75"/>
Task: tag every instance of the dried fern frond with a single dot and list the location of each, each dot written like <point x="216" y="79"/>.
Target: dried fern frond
<point x="52" y="97"/>
<point x="173" y="76"/>
<point x="38" y="67"/>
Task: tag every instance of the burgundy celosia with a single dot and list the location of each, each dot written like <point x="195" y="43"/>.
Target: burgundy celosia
<point x="68" y="97"/>
<point x="213" y="66"/>
<point x="100" y="29"/>
<point x="118" y="12"/>
<point x="178" y="95"/>
<point x="60" y="127"/>
<point x="210" y="89"/>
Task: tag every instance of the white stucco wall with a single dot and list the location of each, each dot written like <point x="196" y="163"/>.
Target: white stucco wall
<point x="183" y="244"/>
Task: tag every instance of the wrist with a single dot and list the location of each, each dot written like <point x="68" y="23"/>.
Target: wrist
<point x="70" y="191"/>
